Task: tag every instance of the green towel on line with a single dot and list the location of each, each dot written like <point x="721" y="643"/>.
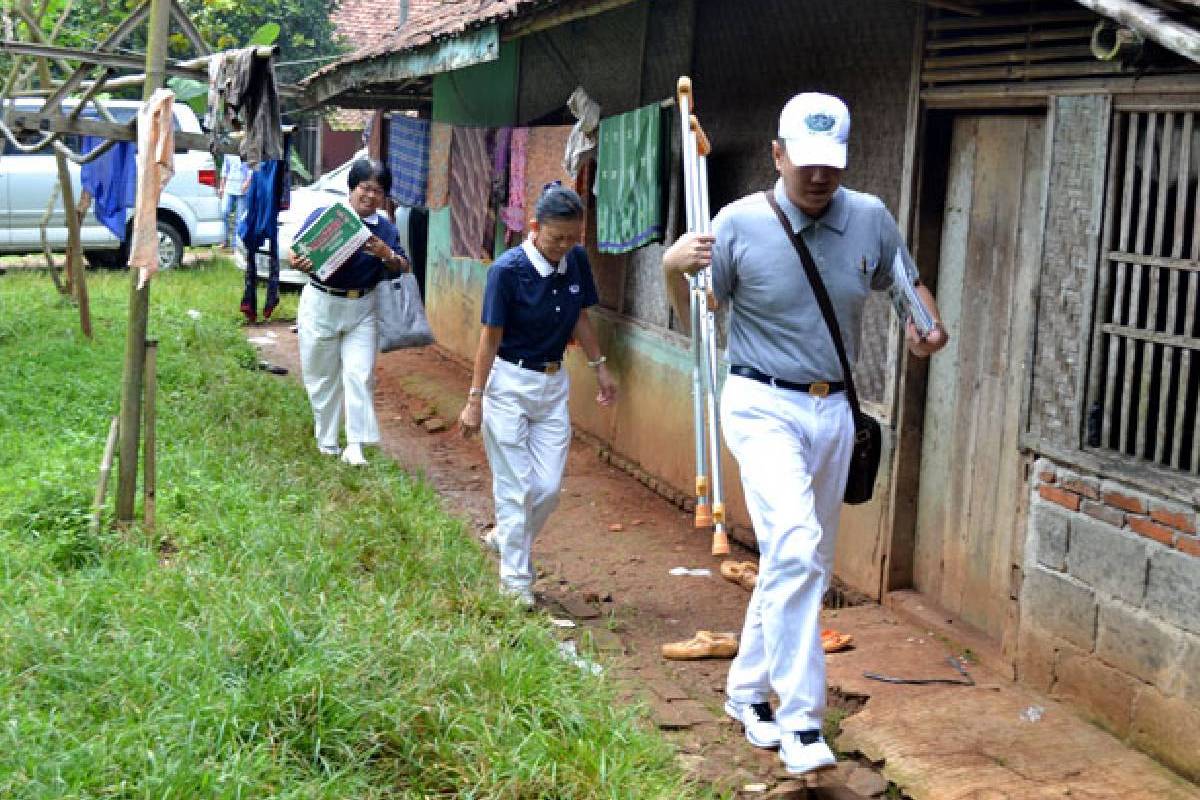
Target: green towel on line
<point x="629" y="181"/>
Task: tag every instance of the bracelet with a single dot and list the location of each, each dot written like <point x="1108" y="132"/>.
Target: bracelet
<point x="597" y="362"/>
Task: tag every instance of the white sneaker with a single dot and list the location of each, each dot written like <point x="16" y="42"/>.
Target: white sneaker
<point x="759" y="722"/>
<point x="353" y="455"/>
<point x="329" y="449"/>
<point x="800" y="758"/>
<point x="522" y="594"/>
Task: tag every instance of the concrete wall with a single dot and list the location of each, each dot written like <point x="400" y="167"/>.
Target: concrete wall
<point x="1110" y="603"/>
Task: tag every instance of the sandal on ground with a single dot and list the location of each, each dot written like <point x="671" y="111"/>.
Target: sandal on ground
<point x="743" y="573"/>
<point x="833" y="642"/>
<point x="705" y="644"/>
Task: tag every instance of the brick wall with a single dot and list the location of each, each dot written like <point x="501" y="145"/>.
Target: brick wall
<point x="1111" y="609"/>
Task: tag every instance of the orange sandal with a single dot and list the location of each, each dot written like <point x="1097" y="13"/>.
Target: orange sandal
<point x="834" y="642"/>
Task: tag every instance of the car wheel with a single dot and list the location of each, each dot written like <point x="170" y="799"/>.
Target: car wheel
<point x="170" y="246"/>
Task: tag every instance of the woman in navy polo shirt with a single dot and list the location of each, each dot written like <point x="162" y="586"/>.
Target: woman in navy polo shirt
<point x="534" y="303"/>
<point x="337" y="322"/>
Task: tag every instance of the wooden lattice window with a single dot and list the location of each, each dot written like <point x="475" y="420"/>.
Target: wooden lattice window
<point x="1144" y="385"/>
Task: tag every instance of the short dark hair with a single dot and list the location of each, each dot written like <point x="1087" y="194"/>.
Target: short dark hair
<point x="558" y="202"/>
<point x="368" y="169"/>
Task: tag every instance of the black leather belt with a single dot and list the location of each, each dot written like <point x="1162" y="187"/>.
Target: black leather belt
<point x="548" y="367"/>
<point x="350" y="294"/>
<point x="816" y="389"/>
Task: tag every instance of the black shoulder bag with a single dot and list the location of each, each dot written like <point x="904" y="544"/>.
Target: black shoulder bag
<point x="868" y="438"/>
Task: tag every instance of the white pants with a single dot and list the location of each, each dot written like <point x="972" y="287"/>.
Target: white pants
<point x="337" y="356"/>
<point x="527" y="434"/>
<point x="793" y="451"/>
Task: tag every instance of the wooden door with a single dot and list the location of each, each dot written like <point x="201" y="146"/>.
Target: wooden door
<point x="971" y="468"/>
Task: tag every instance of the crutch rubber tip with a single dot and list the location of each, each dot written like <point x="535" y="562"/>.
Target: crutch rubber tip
<point x="704" y="518"/>
<point x="720" y="544"/>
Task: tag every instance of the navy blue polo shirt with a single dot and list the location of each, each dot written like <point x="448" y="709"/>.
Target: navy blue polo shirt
<point x="363" y="270"/>
<point x="537" y="311"/>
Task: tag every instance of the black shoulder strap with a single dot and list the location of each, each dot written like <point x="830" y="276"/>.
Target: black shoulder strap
<point x="819" y="291"/>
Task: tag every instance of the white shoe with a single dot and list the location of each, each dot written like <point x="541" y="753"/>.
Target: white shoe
<point x="353" y="455"/>
<point x="799" y="758"/>
<point x="522" y="594"/>
<point x="492" y="541"/>
<point x="759" y="722"/>
<point x="329" y="449"/>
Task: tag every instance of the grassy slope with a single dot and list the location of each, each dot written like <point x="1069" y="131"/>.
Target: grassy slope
<point x="294" y="628"/>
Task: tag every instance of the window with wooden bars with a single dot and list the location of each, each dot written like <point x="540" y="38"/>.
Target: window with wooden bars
<point x="1144" y="380"/>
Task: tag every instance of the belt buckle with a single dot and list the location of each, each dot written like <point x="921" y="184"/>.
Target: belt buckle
<point x="819" y="389"/>
<point x="354" y="294"/>
<point x="552" y="367"/>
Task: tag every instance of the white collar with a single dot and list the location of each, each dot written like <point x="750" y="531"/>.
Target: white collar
<point x="539" y="261"/>
<point x="372" y="218"/>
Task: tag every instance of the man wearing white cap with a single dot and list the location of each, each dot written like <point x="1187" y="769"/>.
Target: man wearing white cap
<point x="784" y="409"/>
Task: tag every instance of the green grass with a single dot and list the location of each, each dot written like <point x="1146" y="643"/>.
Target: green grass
<point x="292" y="628"/>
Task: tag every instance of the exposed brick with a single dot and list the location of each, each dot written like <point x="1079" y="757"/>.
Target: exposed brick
<point x="1177" y="517"/>
<point x="1060" y="606"/>
<point x="1111" y="560"/>
<point x="1136" y="643"/>
<point x="1063" y="498"/>
<point x="1121" y="498"/>
<point x="1189" y="545"/>
<point x="1166" y="728"/>
<point x="1173" y="588"/>
<point x="1099" y="689"/>
<point x="1152" y="530"/>
<point x="1105" y="513"/>
<point x="1051" y="525"/>
<point x="1047" y="476"/>
<point x="1071" y="481"/>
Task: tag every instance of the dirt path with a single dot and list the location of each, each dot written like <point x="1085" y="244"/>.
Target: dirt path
<point x="604" y="563"/>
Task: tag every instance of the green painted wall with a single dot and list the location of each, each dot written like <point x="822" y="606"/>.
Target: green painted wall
<point x="485" y="94"/>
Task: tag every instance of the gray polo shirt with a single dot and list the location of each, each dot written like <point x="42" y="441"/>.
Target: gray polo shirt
<point x="775" y="324"/>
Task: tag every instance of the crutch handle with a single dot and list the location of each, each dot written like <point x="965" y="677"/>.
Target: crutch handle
<point x="720" y="543"/>
<point x="702" y="146"/>
<point x="683" y="89"/>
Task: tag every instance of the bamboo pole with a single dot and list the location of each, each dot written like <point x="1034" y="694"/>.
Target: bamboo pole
<point x="139" y="299"/>
<point x="75" y="275"/>
<point x="106" y="460"/>
<point x="1151" y="23"/>
<point x="150" y="440"/>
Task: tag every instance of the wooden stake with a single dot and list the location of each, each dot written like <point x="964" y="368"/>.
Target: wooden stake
<point x="139" y="299"/>
<point x="150" y="440"/>
<point x="106" y="460"/>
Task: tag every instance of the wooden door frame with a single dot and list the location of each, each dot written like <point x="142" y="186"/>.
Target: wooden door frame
<point x="925" y="228"/>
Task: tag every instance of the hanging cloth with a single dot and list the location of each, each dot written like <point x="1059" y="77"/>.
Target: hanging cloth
<point x="249" y="89"/>
<point x="513" y="213"/>
<point x="440" y="138"/>
<point x="269" y="189"/>
<point x="629" y="181"/>
<point x="155" y="166"/>
<point x="470" y="193"/>
<point x="111" y="179"/>
<point x="408" y="159"/>
<point x="581" y="144"/>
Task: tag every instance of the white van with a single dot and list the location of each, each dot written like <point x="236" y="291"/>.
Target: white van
<point x="189" y="213"/>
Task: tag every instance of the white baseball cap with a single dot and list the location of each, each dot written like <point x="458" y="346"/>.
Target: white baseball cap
<point x="815" y="128"/>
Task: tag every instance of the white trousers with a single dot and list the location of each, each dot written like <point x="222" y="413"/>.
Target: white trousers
<point x="527" y="435"/>
<point x="338" y="339"/>
<point x="793" y="451"/>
